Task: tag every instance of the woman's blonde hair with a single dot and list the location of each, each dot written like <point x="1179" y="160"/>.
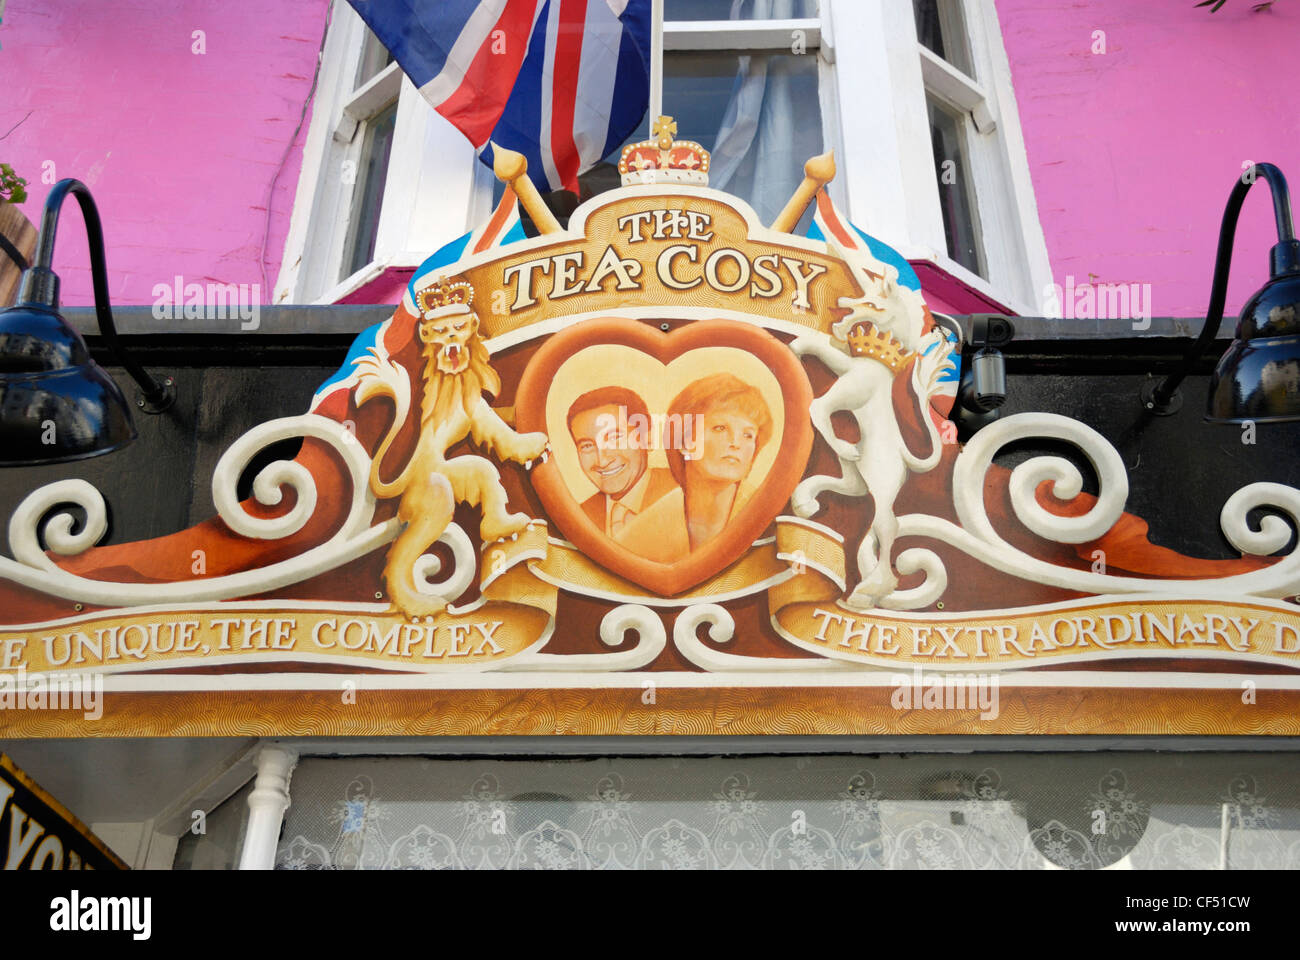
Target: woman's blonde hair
<point x="718" y="392"/>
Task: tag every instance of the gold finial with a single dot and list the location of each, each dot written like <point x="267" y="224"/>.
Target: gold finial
<point x="821" y="168"/>
<point x="817" y="172"/>
<point x="511" y="169"/>
<point x="508" y="165"/>
<point x="665" y="128"/>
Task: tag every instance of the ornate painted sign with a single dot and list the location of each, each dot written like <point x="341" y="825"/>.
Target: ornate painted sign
<point x="668" y="470"/>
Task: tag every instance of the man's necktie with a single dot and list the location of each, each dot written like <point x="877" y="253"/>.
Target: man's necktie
<point x="618" y="518"/>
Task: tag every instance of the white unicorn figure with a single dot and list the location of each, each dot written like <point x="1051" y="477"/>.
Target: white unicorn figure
<point x="881" y="339"/>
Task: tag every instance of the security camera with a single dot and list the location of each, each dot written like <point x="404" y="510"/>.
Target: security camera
<point x="984" y="382"/>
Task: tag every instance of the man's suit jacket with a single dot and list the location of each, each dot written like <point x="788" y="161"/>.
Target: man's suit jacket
<point x="652" y="486"/>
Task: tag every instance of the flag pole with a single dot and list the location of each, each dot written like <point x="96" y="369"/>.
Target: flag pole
<point x="656" y="60"/>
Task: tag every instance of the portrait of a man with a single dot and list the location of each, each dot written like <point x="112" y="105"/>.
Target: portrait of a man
<point x="609" y="427"/>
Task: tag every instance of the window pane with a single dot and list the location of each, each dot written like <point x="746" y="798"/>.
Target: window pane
<point x="940" y="28"/>
<point x="368" y="194"/>
<point x="222" y="840"/>
<point x="374" y="57"/>
<point x="739" y="9"/>
<point x="1027" y="811"/>
<point x="758" y="115"/>
<point x="950" y="165"/>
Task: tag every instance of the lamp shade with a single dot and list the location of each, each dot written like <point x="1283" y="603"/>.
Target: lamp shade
<point x="1258" y="378"/>
<point x="56" y="403"/>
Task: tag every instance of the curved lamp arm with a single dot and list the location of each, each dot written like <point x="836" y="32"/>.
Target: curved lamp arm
<point x="1285" y="258"/>
<point x="40" y="284"/>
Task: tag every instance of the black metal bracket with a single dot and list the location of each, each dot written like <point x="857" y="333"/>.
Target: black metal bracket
<point x="40" y="285"/>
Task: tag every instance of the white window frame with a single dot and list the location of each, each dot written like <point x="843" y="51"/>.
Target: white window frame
<point x="764" y="36"/>
<point x="436" y="188"/>
<point x="432" y="193"/>
<point x="152" y="844"/>
<point x="743" y="36"/>
<point x="888" y="167"/>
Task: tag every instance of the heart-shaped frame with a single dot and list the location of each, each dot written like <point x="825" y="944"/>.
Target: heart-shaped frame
<point x="669" y="579"/>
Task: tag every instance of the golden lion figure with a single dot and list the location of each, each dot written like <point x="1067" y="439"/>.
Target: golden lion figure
<point x="456" y="373"/>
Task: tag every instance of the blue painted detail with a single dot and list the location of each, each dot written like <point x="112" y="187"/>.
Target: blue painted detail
<point x="453" y="251"/>
<point x="445" y="256"/>
<point x="360" y="346"/>
<point x="513" y="235"/>
<point x="952" y="371"/>
<point x="881" y="251"/>
<point x="908" y="278"/>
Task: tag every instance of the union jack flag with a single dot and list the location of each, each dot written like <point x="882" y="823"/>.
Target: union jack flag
<point x="564" y="82"/>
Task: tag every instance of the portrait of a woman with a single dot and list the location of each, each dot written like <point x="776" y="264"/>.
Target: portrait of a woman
<point x="713" y="432"/>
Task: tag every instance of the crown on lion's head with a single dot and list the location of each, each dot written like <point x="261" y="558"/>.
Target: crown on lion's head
<point x="443" y="298"/>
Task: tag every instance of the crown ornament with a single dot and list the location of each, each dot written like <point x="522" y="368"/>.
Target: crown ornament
<point x="867" y="340"/>
<point x="442" y="298"/>
<point x="663" y="159"/>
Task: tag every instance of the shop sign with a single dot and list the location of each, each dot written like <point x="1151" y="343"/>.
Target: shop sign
<point x="667" y="470"/>
<point x="38" y="833"/>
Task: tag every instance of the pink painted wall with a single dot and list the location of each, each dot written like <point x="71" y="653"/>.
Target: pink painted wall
<point x="179" y="149"/>
<point x="1133" y="152"/>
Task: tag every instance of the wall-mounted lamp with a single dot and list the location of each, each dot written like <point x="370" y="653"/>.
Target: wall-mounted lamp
<point x="56" y="403"/>
<point x="1258" y="378"/>
<point x="983" y="387"/>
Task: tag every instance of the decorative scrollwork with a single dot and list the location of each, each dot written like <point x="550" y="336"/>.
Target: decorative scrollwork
<point x="463" y="567"/>
<point x="614" y="627"/>
<point x="918" y="560"/>
<point x="722" y="627"/>
<point x="355" y="537"/>
<point x="976" y="536"/>
<point x="974" y="461"/>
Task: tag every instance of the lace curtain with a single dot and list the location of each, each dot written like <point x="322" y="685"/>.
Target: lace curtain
<point x="996" y="811"/>
<point x="773" y="121"/>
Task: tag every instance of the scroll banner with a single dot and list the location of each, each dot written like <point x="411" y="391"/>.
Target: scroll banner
<point x="806" y="611"/>
<point x="803" y="570"/>
<point x="723" y="262"/>
<point x="482" y="635"/>
<point x="478" y="636"/>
